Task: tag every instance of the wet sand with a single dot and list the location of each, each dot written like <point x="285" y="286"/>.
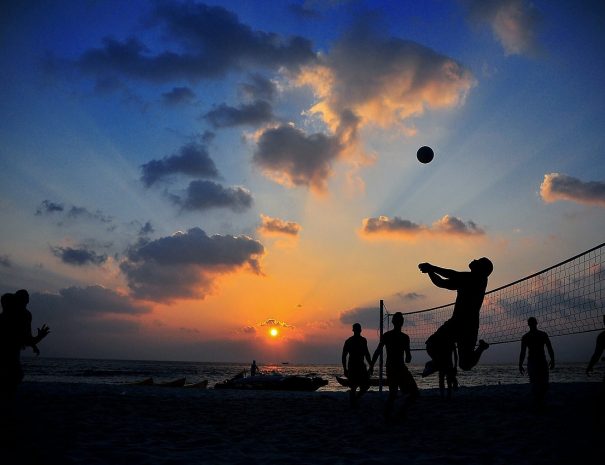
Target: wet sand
<point x="110" y="424"/>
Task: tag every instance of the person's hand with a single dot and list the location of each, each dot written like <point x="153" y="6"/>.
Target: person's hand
<point x="521" y="369"/>
<point x="43" y="331"/>
<point x="425" y="267"/>
<point x="551" y="365"/>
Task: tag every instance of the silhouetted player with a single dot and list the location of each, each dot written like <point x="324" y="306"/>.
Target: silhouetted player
<point x="598" y="351"/>
<point x="397" y="344"/>
<point x="254" y="369"/>
<point x="356" y="348"/>
<point x="463" y="326"/>
<point x="534" y="342"/>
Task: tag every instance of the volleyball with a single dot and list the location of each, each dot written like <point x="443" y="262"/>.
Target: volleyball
<point x="425" y="154"/>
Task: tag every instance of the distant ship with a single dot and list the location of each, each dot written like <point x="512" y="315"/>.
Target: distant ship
<point x="285" y="363"/>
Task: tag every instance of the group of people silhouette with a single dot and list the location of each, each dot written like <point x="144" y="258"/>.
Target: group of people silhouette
<point x="15" y="335"/>
<point x="453" y="345"/>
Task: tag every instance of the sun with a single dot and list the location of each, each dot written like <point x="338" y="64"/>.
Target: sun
<point x="273" y="332"/>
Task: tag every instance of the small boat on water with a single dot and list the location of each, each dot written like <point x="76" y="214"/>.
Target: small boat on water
<point x="274" y="382"/>
<point x="200" y="385"/>
<point x="345" y="382"/>
<point x="179" y="382"/>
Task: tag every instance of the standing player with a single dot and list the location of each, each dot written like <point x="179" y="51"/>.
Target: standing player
<point x="397" y="344"/>
<point x="356" y="348"/>
<point x="534" y="342"/>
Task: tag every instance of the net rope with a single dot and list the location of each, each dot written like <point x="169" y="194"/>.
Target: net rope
<point x="566" y="298"/>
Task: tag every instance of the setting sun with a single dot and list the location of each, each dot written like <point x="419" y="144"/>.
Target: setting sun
<point x="273" y="332"/>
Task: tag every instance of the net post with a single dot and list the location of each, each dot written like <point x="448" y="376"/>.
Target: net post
<point x="381" y="331"/>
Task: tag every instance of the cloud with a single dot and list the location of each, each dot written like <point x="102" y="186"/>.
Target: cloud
<point x="98" y="299"/>
<point x="178" y="96"/>
<point x="258" y="88"/>
<point x="5" y="261"/>
<point x="410" y="296"/>
<point x="191" y="160"/>
<point x="405" y="229"/>
<point x="78" y="257"/>
<point x="368" y="317"/>
<point x="557" y="187"/>
<point x="73" y="212"/>
<point x="291" y="157"/>
<point x="383" y="81"/>
<point x="46" y="207"/>
<point x="253" y="114"/>
<point x="210" y="42"/>
<point x="82" y="212"/>
<point x="278" y="226"/>
<point x="146" y="229"/>
<point x="203" y="195"/>
<point x="514" y="23"/>
<point x="187" y="264"/>
<point x="274" y="322"/>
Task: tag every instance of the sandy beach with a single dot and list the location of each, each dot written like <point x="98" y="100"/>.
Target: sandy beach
<point x="112" y="424"/>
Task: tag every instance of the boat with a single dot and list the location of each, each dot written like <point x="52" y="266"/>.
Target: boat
<point x="180" y="382"/>
<point x="143" y="382"/>
<point x="274" y="382"/>
<point x="345" y="382"/>
<point x="199" y="385"/>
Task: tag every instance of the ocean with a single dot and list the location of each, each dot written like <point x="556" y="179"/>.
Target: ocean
<point x="69" y="370"/>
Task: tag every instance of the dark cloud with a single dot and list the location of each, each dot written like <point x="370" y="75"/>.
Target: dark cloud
<point x="368" y="317"/>
<point x="248" y="330"/>
<point x="271" y="225"/>
<point x="258" y="87"/>
<point x="46" y="206"/>
<point x="304" y="11"/>
<point x="254" y="114"/>
<point x="562" y="187"/>
<point x="410" y="296"/>
<point x="514" y="23"/>
<point x="290" y="156"/>
<point x="211" y="41"/>
<point x="187" y="264"/>
<point x="5" y="261"/>
<point x="83" y="213"/>
<point x="398" y="227"/>
<point x="178" y="96"/>
<point x="98" y="299"/>
<point x="146" y="229"/>
<point x="191" y="160"/>
<point x="79" y="256"/>
<point x="204" y="195"/>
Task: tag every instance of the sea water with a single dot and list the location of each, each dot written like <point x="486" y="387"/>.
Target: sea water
<point x="68" y="370"/>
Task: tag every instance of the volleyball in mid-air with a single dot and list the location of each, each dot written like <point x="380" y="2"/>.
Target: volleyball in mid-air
<point x="425" y="154"/>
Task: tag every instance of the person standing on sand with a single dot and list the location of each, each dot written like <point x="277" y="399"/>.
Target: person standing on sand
<point x="463" y="326"/>
<point x="598" y="351"/>
<point x="356" y="348"/>
<point x="254" y="369"/>
<point x="397" y="344"/>
<point x="534" y="342"/>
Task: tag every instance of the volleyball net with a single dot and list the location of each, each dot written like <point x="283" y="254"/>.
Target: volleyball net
<point x="566" y="298"/>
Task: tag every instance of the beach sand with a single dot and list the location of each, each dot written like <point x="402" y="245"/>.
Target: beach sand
<point x="111" y="424"/>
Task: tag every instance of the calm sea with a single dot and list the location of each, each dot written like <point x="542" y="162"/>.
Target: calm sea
<point x="68" y="370"/>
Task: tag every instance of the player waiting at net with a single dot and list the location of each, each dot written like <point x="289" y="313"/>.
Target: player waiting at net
<point x="463" y="326"/>
<point x="356" y="349"/>
<point x="534" y="342"/>
<point x="397" y="344"/>
<point x="598" y="351"/>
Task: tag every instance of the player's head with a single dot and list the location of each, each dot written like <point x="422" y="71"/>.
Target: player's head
<point x="482" y="265"/>
<point x="22" y="297"/>
<point x="397" y="319"/>
<point x="357" y="328"/>
<point x="532" y="322"/>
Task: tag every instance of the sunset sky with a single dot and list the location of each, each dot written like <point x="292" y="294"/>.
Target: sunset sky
<point x="179" y="178"/>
